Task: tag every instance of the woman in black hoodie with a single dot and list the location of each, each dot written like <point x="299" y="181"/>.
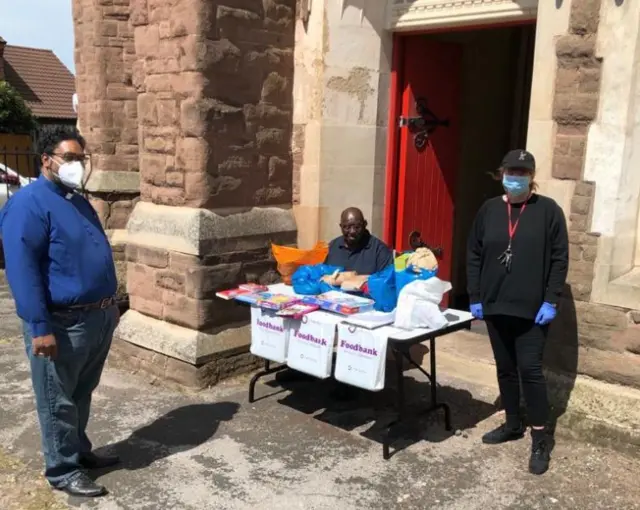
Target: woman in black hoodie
<point x="517" y="262"/>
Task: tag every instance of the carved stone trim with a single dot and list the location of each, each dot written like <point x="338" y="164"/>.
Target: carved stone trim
<point x="415" y="14"/>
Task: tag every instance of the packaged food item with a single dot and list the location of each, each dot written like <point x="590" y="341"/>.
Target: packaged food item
<point x="371" y="320"/>
<point x="245" y="288"/>
<point x="354" y="284"/>
<point x="297" y="310"/>
<point x="340" y="302"/>
<point x="422" y="259"/>
<point x="230" y="294"/>
<point x="268" y="300"/>
<point x="253" y="287"/>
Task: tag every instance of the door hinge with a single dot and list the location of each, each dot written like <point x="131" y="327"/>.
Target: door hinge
<point x="423" y="125"/>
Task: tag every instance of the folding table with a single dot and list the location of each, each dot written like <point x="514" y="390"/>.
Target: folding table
<point x="400" y="343"/>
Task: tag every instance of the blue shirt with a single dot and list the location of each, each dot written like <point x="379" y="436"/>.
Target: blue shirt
<point x="371" y="256"/>
<point x="56" y="252"/>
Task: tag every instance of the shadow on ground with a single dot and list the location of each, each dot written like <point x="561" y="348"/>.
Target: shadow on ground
<point x="350" y="408"/>
<point x="179" y="430"/>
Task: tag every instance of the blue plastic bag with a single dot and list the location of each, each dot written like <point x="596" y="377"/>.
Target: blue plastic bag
<point x="382" y="289"/>
<point x="408" y="275"/>
<point x="306" y="280"/>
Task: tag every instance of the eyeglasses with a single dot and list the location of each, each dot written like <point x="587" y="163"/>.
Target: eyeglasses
<point x="70" y="157"/>
<point x="352" y="226"/>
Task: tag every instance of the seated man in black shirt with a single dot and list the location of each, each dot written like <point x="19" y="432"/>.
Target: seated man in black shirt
<point x="357" y="250"/>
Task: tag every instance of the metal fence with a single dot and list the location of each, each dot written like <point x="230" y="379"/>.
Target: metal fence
<point x="24" y="163"/>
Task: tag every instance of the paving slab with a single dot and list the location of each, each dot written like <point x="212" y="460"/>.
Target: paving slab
<point x="298" y="448"/>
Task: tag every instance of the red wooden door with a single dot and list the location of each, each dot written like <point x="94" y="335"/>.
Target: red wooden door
<point x="427" y="174"/>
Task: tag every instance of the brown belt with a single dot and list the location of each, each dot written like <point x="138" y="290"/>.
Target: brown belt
<point x="100" y="305"/>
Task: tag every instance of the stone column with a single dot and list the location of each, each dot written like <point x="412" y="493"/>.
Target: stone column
<point x="215" y="113"/>
<point x="552" y="24"/>
<point x="341" y="105"/>
<point x="107" y="111"/>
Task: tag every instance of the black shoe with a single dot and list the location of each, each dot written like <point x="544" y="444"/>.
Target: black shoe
<point x="83" y="486"/>
<point x="540" y="456"/>
<point x="503" y="434"/>
<point x="93" y="461"/>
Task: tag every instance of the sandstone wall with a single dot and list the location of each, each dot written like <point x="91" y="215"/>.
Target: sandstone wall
<point x="214" y="101"/>
<point x="588" y="338"/>
<point x="180" y="289"/>
<point x="104" y="57"/>
<point x="107" y="115"/>
<point x="214" y="82"/>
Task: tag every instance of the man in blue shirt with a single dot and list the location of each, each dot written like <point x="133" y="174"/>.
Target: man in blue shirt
<point x="61" y="272"/>
<point x="357" y="250"/>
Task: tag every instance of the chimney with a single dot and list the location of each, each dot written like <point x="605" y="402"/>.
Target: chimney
<point x="3" y="43"/>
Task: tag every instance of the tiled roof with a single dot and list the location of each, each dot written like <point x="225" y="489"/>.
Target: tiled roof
<point x="42" y="80"/>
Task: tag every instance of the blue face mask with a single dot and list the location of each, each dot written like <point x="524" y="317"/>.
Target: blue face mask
<point x="516" y="184"/>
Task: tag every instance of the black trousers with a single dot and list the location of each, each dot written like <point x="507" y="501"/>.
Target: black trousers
<point x="518" y="347"/>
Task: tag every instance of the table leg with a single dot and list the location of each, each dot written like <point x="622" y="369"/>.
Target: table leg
<point x="434" y="387"/>
<point x="386" y="438"/>
<point x="392" y="428"/>
<point x="268" y="369"/>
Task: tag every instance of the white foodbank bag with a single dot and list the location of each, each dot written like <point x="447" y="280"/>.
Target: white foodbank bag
<point x="361" y="357"/>
<point x="311" y="342"/>
<point x="269" y="335"/>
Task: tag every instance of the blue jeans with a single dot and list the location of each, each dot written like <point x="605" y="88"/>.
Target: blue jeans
<point x="63" y="386"/>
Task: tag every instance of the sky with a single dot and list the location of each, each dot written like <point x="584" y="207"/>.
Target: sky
<point x="44" y="24"/>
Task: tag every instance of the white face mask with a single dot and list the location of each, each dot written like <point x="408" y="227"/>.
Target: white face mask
<point x="71" y="174"/>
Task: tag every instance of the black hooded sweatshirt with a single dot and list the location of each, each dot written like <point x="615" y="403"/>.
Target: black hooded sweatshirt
<point x="539" y="263"/>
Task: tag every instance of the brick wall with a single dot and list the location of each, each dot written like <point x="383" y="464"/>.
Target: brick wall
<point x="180" y="289"/>
<point x="215" y="105"/>
<point x="104" y="56"/>
<point x="583" y="245"/>
<point x="597" y="340"/>
<point x="575" y="106"/>
<point x="107" y="113"/>
<point x="213" y="81"/>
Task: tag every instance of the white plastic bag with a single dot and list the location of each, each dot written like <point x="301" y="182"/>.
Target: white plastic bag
<point x="269" y="335"/>
<point x="418" y="304"/>
<point x="311" y="342"/>
<point x="361" y="357"/>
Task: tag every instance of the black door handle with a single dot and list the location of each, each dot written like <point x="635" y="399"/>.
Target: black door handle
<point x="415" y="242"/>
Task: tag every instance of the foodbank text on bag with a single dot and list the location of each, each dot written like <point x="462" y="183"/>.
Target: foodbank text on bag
<point x="269" y="335"/>
<point x="311" y="344"/>
<point x="361" y="357"/>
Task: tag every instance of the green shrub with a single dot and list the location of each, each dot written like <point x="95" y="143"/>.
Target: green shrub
<point x="15" y="115"/>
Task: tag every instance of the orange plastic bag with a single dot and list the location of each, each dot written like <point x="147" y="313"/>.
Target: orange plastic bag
<point x="290" y="259"/>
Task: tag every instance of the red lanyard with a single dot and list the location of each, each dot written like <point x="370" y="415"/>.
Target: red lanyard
<point x="513" y="227"/>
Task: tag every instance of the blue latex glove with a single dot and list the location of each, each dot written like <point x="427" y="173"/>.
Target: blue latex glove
<point x="476" y="310"/>
<point x="546" y="314"/>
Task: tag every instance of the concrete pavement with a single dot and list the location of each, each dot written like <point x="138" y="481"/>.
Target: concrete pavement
<point x="297" y="449"/>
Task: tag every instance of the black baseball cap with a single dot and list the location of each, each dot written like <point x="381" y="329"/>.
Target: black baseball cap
<point x="519" y="158"/>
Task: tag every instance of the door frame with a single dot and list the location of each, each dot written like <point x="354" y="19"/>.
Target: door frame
<point x="392" y="164"/>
